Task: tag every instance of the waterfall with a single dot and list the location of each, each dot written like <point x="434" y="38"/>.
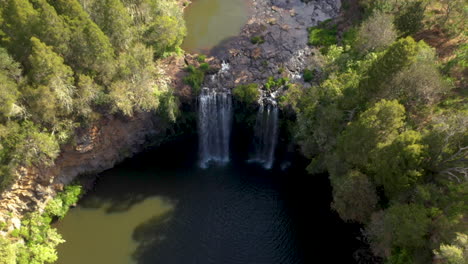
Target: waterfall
<point x="214" y="126"/>
<point x="265" y="135"/>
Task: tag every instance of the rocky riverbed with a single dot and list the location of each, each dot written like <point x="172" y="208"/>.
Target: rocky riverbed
<point x="282" y="24"/>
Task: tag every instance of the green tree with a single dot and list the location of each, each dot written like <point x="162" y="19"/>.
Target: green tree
<point x="9" y="75"/>
<point x="7" y="251"/>
<point x="354" y="197"/>
<point x="135" y="88"/>
<point x="91" y="52"/>
<point x="113" y="19"/>
<point x="376" y="126"/>
<point x="165" y="34"/>
<point x="400" y="228"/>
<point x="456" y="253"/>
<point x="399" y="165"/>
<point x="396" y="58"/>
<point x="410" y="20"/>
<point x="20" y="21"/>
<point x="51" y="87"/>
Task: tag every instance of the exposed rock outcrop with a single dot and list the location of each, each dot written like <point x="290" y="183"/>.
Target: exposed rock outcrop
<point x="283" y="27"/>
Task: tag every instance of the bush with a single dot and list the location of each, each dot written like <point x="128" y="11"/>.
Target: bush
<point x="194" y="78"/>
<point x="58" y="207"/>
<point x="322" y="36"/>
<point x="257" y="40"/>
<point x="276" y="83"/>
<point x="201" y="58"/>
<point x="308" y="75"/>
<point x="247" y="93"/>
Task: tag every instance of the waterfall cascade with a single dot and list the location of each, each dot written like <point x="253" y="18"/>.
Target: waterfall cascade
<point x="214" y="121"/>
<point x="265" y="134"/>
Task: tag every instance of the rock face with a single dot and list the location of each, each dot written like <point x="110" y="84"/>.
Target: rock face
<point x="283" y="25"/>
<point x="97" y="149"/>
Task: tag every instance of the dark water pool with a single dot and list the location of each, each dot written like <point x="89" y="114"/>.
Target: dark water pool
<point x="159" y="207"/>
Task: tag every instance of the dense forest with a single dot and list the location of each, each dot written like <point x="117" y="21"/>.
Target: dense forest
<point x="63" y="65"/>
<point x="387" y="118"/>
<point x="66" y="63"/>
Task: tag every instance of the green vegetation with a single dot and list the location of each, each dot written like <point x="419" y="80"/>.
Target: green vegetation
<point x="323" y="35"/>
<point x="201" y="58"/>
<point x="388" y="122"/>
<point x="196" y="76"/>
<point x="273" y="84"/>
<point x="247" y="93"/>
<point x="257" y="40"/>
<point x="308" y="75"/>
<point x="65" y="63"/>
<point x="40" y="239"/>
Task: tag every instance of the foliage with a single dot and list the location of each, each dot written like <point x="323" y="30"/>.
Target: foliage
<point x="58" y="207"/>
<point x="7" y="251"/>
<point x="308" y="75"/>
<point x="257" y="40"/>
<point x="354" y="197"/>
<point x="195" y="78"/>
<point x="385" y="125"/>
<point x="410" y="20"/>
<point x="456" y="253"/>
<point x="65" y="63"/>
<point x="247" y="93"/>
<point x="376" y="33"/>
<point x="273" y="84"/>
<point x="201" y="58"/>
<point x="322" y="37"/>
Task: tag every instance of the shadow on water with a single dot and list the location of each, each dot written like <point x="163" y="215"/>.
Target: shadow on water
<point x="159" y="207"/>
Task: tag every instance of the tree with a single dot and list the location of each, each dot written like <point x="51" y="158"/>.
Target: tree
<point x="112" y="17"/>
<point x="52" y="83"/>
<point x="20" y="21"/>
<point x="354" y="197"/>
<point x="398" y="165"/>
<point x="10" y="73"/>
<point x="376" y="33"/>
<point x="91" y="52"/>
<point x="7" y="251"/>
<point x="52" y="28"/>
<point x="165" y="34"/>
<point x="402" y="226"/>
<point x="135" y="88"/>
<point x="376" y="126"/>
<point x="456" y="253"/>
<point x="410" y="20"/>
<point x="448" y="146"/>
<point x="397" y="57"/>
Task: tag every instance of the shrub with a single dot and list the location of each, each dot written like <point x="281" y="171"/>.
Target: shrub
<point x="308" y="75"/>
<point x="194" y="78"/>
<point x="247" y="93"/>
<point x="257" y="40"/>
<point x="201" y="58"/>
<point x="322" y="36"/>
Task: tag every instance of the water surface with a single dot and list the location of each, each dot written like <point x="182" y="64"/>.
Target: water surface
<point x="159" y="207"/>
<point x="209" y="22"/>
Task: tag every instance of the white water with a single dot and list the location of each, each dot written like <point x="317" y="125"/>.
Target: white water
<point x="214" y="126"/>
<point x="265" y="135"/>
